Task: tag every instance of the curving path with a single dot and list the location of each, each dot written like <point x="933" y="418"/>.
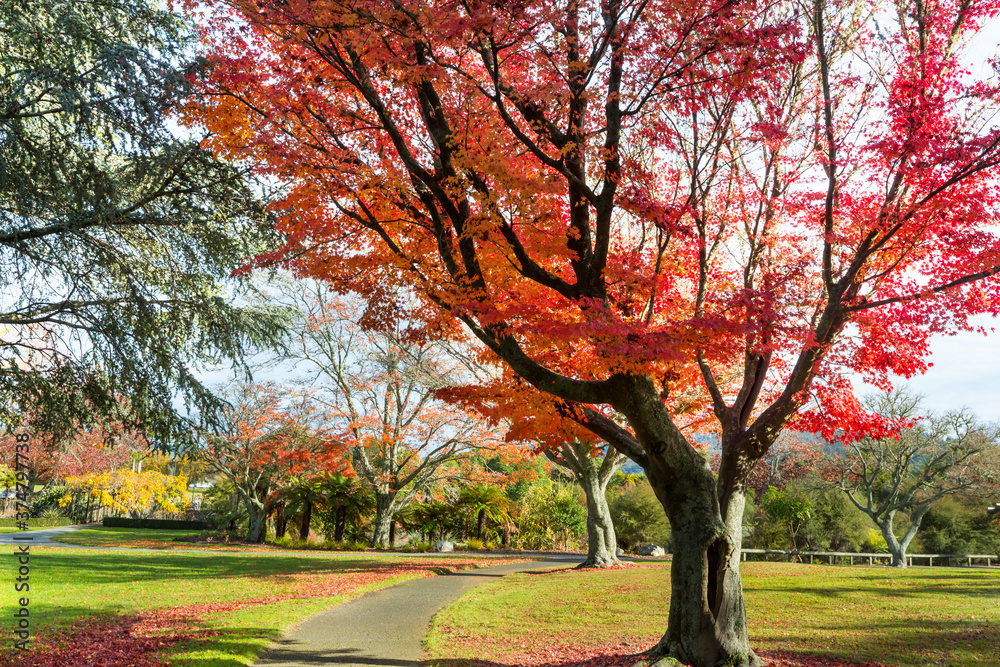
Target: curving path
<point x="43" y="537"/>
<point x="385" y="628"/>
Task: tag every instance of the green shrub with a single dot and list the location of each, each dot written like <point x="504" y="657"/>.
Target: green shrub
<point x="834" y="524"/>
<point x="875" y="543"/>
<point x="638" y="517"/>
<point x="957" y="526"/>
<point x="474" y="544"/>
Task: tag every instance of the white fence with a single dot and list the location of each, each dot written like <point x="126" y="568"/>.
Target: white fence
<point x="832" y="557"/>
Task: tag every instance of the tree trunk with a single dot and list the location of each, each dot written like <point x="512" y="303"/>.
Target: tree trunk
<point x="257" y="521"/>
<point x="602" y="545"/>
<point x="306" y="519"/>
<point x="339" y="523"/>
<point x="707" y="625"/>
<point x="280" y="521"/>
<point x="392" y="533"/>
<point x="481" y="525"/>
<point x="384" y="514"/>
<point x="898" y="547"/>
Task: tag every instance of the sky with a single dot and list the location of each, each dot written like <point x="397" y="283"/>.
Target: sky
<point x="965" y="373"/>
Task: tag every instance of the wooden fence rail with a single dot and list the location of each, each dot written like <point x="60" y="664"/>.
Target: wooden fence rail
<point x="832" y="556"/>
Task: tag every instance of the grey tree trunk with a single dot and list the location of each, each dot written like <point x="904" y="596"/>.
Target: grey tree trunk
<point x="385" y="511"/>
<point x="602" y="545"/>
<point x="257" y="524"/>
<point x="898" y="547"/>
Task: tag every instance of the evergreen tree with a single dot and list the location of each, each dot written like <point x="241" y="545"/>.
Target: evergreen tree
<point x="117" y="238"/>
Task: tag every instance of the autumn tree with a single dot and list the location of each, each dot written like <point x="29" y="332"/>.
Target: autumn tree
<point x="117" y="237"/>
<point x="99" y="447"/>
<point x="268" y="436"/>
<point x="747" y="198"/>
<point x="933" y="456"/>
<point x="137" y="494"/>
<point x="379" y="389"/>
<point x="533" y="418"/>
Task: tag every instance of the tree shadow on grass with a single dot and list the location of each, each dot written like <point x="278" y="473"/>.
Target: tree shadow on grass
<point x="135" y="640"/>
<point x="908" y="641"/>
<point x="986" y="591"/>
<point x="110" y="567"/>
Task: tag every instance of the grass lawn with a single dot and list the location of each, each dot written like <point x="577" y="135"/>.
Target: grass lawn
<point x="101" y="536"/>
<point x="206" y="609"/>
<point x="918" y="616"/>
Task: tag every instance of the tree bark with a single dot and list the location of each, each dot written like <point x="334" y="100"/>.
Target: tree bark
<point x="384" y="514"/>
<point x="280" y="521"/>
<point x="306" y="520"/>
<point x="339" y="523"/>
<point x="602" y="544"/>
<point x="898" y="547"/>
<point x="257" y="521"/>
<point x="707" y="625"/>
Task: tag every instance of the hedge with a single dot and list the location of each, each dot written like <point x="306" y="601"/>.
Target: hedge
<point x="165" y="524"/>
<point x="39" y="523"/>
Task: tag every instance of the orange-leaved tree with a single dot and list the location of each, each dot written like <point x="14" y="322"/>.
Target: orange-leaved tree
<point x="269" y="435"/>
<point x="626" y="199"/>
<point x="378" y="389"/>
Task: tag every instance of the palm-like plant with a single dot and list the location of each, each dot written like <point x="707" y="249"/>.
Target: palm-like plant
<point x="485" y="502"/>
<point x="300" y="495"/>
<point x="345" y="500"/>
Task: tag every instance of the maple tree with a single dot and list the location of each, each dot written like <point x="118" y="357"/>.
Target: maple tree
<point x="687" y="212"/>
<point x="932" y="457"/>
<point x="269" y="436"/>
<point x="379" y="390"/>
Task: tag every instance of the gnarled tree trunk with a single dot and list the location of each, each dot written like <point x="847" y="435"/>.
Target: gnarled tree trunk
<point x="898" y="547"/>
<point x="602" y="545"/>
<point x="707" y="624"/>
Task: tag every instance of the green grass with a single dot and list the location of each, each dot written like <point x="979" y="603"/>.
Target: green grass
<point x="918" y="616"/>
<point x="101" y="536"/>
<point x="69" y="584"/>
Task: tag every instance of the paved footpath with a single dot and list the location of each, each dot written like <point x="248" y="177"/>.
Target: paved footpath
<point x="43" y="537"/>
<point x="385" y="628"/>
